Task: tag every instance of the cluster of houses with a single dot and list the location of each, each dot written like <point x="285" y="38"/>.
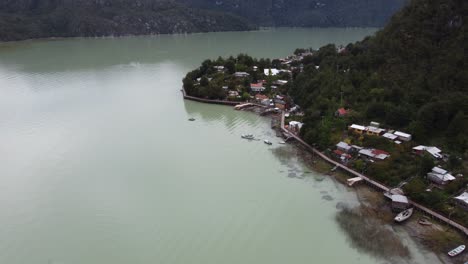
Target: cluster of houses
<point x="344" y="152"/>
<point x="374" y="130"/>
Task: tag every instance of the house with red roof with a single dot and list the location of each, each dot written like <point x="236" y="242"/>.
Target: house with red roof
<point x="341" y="112"/>
<point x="257" y="87"/>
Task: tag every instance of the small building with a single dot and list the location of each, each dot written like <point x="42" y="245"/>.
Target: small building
<point x="257" y="87"/>
<point x="219" y="68"/>
<point x="390" y="136"/>
<point x="341" y="112"/>
<point x="399" y="202"/>
<point x="374" y="131"/>
<point x="225" y="87"/>
<point x="271" y="72"/>
<point x="343" y="146"/>
<point x="374" y="153"/>
<point x="403" y="136"/>
<point x="433" y="151"/>
<point x="374" y="124"/>
<point x="344" y="157"/>
<point x="280" y="104"/>
<point x="261" y="97"/>
<point x="233" y="93"/>
<point x="241" y="74"/>
<point x="440" y="176"/>
<point x="357" y="129"/>
<point x="295" y="126"/>
<point x="280" y="82"/>
<point x="462" y="200"/>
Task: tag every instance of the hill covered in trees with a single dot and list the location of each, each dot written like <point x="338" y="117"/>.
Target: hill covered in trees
<point x="412" y="75"/>
<point x="307" y="13"/>
<point x="25" y="19"/>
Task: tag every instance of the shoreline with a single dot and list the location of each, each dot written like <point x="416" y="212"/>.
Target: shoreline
<point x="370" y="198"/>
<point x="258" y="29"/>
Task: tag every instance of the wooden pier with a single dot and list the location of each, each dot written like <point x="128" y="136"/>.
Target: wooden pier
<point x="374" y="183"/>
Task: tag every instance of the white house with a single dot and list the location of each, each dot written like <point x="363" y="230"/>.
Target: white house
<point x="462" y="200"/>
<point x="390" y="136"/>
<point x="241" y="74"/>
<point x="440" y="176"/>
<point x="399" y="202"/>
<point x="435" y="152"/>
<point x="403" y="136"/>
<point x="271" y="72"/>
<point x="343" y="146"/>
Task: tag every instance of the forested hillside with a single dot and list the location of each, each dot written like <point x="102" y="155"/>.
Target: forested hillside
<point x="412" y="75"/>
<point x="24" y="19"/>
<point x="324" y="13"/>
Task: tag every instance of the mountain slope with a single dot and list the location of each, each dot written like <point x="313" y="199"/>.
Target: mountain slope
<point x="25" y="19"/>
<point x="412" y="75"/>
<point x="307" y="12"/>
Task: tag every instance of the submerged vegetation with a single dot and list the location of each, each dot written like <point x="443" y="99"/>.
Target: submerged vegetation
<point x="370" y="235"/>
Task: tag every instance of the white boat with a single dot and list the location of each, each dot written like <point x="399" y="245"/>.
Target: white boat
<point x="456" y="251"/>
<point x="267" y="142"/>
<point x="404" y="215"/>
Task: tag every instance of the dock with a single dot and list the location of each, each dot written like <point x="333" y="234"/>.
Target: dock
<point x="352" y="181"/>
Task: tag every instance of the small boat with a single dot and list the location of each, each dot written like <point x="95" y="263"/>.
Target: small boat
<point x="192" y="119"/>
<point x="247" y="136"/>
<point x="404" y="215"/>
<point x="268" y="142"/>
<point x="456" y="251"/>
<point x="425" y="222"/>
<point x="282" y="142"/>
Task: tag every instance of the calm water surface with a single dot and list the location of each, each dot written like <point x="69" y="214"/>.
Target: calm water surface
<point x="99" y="164"/>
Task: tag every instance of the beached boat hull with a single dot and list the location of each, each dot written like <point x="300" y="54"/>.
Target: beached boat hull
<point x="403" y="216"/>
<point x="456" y="251"/>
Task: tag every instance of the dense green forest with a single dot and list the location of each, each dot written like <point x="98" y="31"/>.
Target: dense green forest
<point x="412" y="75"/>
<point x="25" y="19"/>
<point x="323" y="13"/>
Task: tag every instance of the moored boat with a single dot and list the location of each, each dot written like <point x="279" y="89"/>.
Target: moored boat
<point x="404" y="215"/>
<point x="268" y="142"/>
<point x="456" y="251"/>
<point x="247" y="136"/>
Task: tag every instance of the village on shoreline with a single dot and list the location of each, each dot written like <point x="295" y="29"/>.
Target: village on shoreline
<point x="246" y="82"/>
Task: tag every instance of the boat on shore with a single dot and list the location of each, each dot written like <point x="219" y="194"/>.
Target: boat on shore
<point x="268" y="142"/>
<point x="404" y="215"/>
<point x="456" y="251"/>
<point x="424" y="222"/>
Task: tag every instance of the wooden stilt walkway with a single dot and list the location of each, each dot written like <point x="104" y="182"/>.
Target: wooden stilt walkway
<point x="375" y="184"/>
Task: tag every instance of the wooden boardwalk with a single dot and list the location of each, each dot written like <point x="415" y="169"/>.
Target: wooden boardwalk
<point x="375" y="184"/>
<point x="209" y="101"/>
